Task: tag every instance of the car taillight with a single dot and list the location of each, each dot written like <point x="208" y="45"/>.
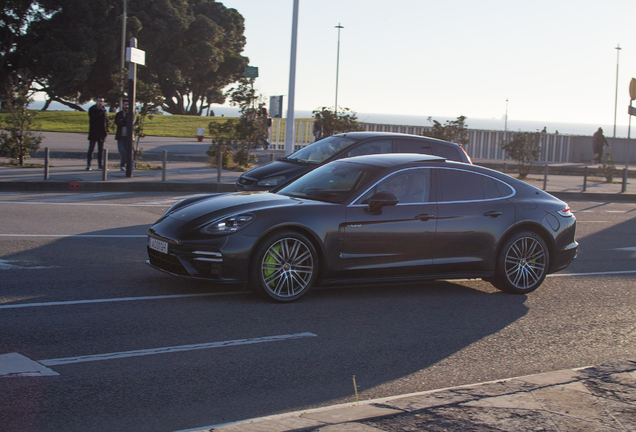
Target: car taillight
<point x="565" y="212"/>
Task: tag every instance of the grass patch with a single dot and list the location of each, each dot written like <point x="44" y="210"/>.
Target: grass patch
<point x="160" y="125"/>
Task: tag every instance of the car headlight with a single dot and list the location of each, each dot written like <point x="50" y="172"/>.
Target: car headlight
<point x="229" y="224"/>
<point x="272" y="181"/>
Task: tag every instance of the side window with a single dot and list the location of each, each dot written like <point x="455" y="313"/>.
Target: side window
<point x="447" y="151"/>
<point x="457" y="185"/>
<point x="372" y="147"/>
<point x="410" y="186"/>
<point x="413" y="146"/>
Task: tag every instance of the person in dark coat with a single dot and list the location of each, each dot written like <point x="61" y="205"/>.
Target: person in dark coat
<point x="97" y="131"/>
<point x="121" y="120"/>
<point x="598" y="142"/>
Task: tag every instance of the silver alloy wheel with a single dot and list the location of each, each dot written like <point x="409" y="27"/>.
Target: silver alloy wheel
<point x="287" y="267"/>
<point x="525" y="263"/>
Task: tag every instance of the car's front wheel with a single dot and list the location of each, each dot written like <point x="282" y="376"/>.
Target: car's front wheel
<point x="284" y="266"/>
<point x="522" y="264"/>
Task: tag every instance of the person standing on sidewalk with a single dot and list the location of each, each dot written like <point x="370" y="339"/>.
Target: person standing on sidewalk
<point x="97" y="131"/>
<point x="121" y="121"/>
<point x="598" y="142"/>
<point x="267" y="123"/>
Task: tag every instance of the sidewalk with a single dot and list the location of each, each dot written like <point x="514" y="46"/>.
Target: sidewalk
<point x="595" y="399"/>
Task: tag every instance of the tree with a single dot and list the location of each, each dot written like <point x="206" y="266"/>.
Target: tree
<point x="72" y="48"/>
<point x="16" y="136"/>
<point x="234" y="137"/>
<point x="192" y="51"/>
<point x="524" y="148"/>
<point x="454" y="131"/>
<point x="334" y="123"/>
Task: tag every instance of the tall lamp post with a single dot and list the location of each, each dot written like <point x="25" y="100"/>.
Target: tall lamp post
<point x="618" y="50"/>
<point x="337" y="68"/>
<point x="289" y="122"/>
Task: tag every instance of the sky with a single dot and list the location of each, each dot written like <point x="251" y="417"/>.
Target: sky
<point x="554" y="61"/>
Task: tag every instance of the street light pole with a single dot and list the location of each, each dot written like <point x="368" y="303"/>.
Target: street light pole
<point x="290" y="134"/>
<point x="337" y="68"/>
<point x="618" y="50"/>
<point x="506" y="118"/>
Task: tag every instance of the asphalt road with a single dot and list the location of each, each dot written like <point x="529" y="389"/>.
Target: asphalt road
<point x="131" y="349"/>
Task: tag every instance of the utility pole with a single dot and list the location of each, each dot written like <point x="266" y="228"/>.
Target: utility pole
<point x="123" y="57"/>
<point x="289" y="122"/>
<point x="618" y="50"/>
<point x="335" y="109"/>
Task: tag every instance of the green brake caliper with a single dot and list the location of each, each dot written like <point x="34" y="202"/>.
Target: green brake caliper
<point x="270" y="258"/>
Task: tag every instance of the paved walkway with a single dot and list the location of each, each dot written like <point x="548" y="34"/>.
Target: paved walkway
<point x="594" y="399"/>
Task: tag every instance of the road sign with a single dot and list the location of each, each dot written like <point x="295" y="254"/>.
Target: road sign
<point x="631" y="110"/>
<point x="632" y="89"/>
<point x="251" y="72"/>
<point x="135" y="55"/>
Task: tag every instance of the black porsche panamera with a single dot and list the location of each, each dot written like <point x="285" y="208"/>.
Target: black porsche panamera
<point x="370" y="219"/>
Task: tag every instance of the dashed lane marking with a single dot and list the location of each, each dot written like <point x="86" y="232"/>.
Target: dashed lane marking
<point x="121" y="299"/>
<point x="17" y="365"/>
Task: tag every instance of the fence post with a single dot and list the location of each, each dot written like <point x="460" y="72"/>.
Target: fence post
<point x="505" y="168"/>
<point x="104" y="164"/>
<point x="545" y="177"/>
<point x="46" y="163"/>
<point x="584" y="179"/>
<point x="219" y="166"/>
<point x="163" y="167"/>
<point x="624" y="188"/>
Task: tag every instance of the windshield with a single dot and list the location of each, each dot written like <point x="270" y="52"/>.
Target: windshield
<point x="322" y="150"/>
<point x="333" y="182"/>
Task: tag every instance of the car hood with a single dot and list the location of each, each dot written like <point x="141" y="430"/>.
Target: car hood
<point x="209" y="209"/>
<point x="279" y="167"/>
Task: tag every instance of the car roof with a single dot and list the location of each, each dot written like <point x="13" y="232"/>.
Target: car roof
<point x="392" y="159"/>
<point x="367" y="134"/>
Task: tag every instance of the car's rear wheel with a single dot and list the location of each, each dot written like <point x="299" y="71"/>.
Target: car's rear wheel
<point x="522" y="264"/>
<point x="284" y="266"/>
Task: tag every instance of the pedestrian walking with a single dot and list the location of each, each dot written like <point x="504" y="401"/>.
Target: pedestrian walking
<point x="97" y="131"/>
<point x="267" y="124"/>
<point x="317" y="128"/>
<point x="598" y="142"/>
<point x="121" y="120"/>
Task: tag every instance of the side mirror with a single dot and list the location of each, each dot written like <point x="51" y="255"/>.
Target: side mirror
<point x="382" y="199"/>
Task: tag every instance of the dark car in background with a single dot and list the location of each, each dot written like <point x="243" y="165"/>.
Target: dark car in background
<point x="370" y="219"/>
<point x="284" y="170"/>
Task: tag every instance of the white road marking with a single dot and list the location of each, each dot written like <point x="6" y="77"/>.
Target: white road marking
<point x="165" y="350"/>
<point x="591" y="274"/>
<point x="78" y="235"/>
<point x="6" y="265"/>
<point x="121" y="299"/>
<point x="17" y="365"/>
<point x="627" y="249"/>
<point x="615" y="211"/>
<point x="582" y="221"/>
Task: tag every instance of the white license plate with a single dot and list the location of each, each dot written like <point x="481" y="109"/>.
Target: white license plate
<point x="158" y="245"/>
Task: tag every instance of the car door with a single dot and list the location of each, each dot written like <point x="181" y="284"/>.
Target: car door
<point x="473" y="214"/>
<point x="398" y="239"/>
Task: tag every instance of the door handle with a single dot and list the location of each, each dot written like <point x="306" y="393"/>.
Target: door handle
<point x="493" y="213"/>
<point x="425" y="216"/>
